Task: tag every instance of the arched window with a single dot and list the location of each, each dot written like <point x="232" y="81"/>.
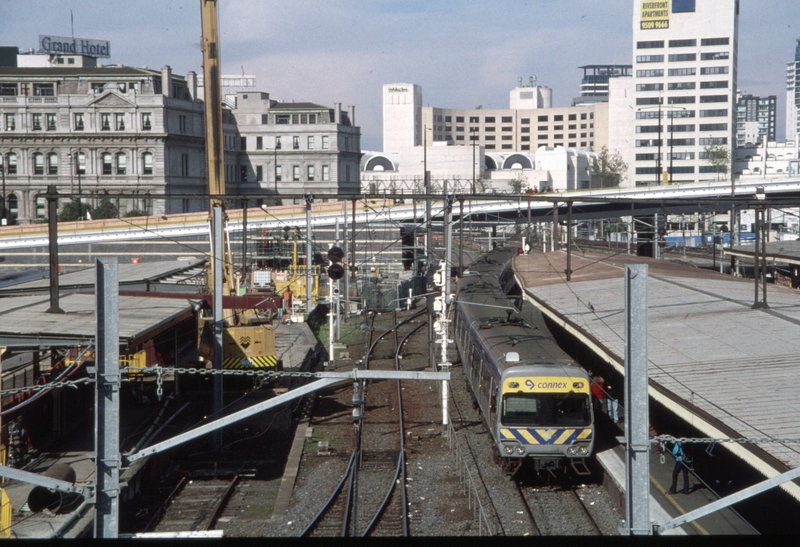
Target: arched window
<point x="38" y="164"/>
<point x="122" y="163"/>
<point x="107" y="164"/>
<point x="147" y="163"/>
<point x="52" y="164"/>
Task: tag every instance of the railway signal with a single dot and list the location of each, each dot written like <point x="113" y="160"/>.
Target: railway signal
<point x="335" y="269"/>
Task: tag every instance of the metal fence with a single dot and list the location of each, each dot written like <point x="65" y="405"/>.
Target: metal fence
<point x="469" y="484"/>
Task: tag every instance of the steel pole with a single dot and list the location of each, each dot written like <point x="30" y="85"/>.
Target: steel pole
<point x="461" y="237"/>
<point x="637" y="448"/>
<point x="107" y="437"/>
<point x="569" y="236"/>
<point x="309" y="200"/>
<point x="244" y="240"/>
<point x="217" y="325"/>
<point x="52" y="222"/>
<point x="3" y="204"/>
<point x="347" y="270"/>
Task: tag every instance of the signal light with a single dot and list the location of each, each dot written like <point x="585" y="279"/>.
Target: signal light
<point x="335" y="270"/>
<point x="520" y="251"/>
<point x="662" y="232"/>
<point x="335" y="254"/>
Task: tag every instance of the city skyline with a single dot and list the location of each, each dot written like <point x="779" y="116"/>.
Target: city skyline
<point x="463" y="54"/>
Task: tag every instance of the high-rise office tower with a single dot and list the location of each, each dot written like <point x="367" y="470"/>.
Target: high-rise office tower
<point x="684" y="87"/>
<point x="755" y="120"/>
<point x="793" y="97"/>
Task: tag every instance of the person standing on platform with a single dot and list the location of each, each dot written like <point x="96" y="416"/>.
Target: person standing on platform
<point x="597" y="390"/>
<point x="287" y="301"/>
<point x="680" y="465"/>
<point x="613" y="404"/>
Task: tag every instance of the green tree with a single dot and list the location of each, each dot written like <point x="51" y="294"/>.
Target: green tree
<point x="483" y="185"/>
<point x="609" y="169"/>
<point x="719" y="157"/>
<point x="135" y="213"/>
<point x="106" y="209"/>
<point x="517" y="182"/>
<point x="73" y="210"/>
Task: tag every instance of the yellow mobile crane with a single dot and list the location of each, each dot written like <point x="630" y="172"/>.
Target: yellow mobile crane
<point x="248" y="339"/>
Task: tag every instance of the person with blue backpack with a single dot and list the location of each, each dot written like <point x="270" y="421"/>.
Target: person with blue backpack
<point x="680" y="465"/>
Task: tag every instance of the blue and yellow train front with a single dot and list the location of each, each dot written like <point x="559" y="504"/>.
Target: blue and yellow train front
<point x="546" y="418"/>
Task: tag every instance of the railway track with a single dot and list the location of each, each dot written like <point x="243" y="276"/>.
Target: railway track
<point x="555" y="509"/>
<point x="370" y="498"/>
<point x="194" y="505"/>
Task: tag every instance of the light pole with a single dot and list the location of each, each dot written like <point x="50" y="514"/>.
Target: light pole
<point x="275" y="169"/>
<point x="72" y="169"/>
<point x="3" y="205"/>
<point x="671" y="115"/>
<point x="75" y="167"/>
<point x="473" y="138"/>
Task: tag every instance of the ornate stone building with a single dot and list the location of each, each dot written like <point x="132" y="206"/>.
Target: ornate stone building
<point x="100" y="130"/>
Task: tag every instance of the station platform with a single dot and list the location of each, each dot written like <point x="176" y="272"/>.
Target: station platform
<point x="714" y="360"/>
<point x="664" y="507"/>
<point x="295" y="345"/>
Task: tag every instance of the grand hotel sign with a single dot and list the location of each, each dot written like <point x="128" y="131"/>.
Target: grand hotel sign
<point x="60" y="45"/>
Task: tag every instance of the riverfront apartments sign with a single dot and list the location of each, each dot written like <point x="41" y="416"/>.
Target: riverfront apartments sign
<point x="60" y="45"/>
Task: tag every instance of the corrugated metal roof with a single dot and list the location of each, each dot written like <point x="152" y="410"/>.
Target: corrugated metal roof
<point x="129" y="274"/>
<point x="24" y="321"/>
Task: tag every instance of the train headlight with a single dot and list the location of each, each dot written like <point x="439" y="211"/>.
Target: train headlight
<point x="572" y="451"/>
<point x="508" y="450"/>
<point x="519" y="450"/>
<point x="583" y="451"/>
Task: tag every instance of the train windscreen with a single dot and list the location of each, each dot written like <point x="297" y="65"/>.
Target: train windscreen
<point x="546" y="409"/>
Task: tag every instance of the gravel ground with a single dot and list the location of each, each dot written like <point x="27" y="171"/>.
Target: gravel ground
<point x="439" y="493"/>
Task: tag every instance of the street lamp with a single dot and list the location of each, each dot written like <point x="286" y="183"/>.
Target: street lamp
<point x="473" y="138"/>
<point x="275" y="169"/>
<point x="3" y="204"/>
<point x="670" y="110"/>
<point x="671" y="115"/>
<point x="75" y="167"/>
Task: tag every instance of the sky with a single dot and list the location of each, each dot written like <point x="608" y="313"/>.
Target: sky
<point x="463" y="53"/>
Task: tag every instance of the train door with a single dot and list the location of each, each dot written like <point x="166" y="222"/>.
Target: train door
<point x="492" y="403"/>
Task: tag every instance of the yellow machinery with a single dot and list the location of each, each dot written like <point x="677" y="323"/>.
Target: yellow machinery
<point x="246" y="342"/>
<point x="294" y="279"/>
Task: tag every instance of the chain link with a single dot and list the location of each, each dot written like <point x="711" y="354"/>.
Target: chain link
<point x="68" y="383"/>
<point x="159" y="382"/>
<point x="709" y="440"/>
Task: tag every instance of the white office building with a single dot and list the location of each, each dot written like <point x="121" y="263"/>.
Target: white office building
<point x="793" y="97"/>
<point x="683" y="91"/>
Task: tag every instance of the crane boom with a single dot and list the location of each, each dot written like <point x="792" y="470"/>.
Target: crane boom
<point x="237" y="338"/>
<point x="213" y="101"/>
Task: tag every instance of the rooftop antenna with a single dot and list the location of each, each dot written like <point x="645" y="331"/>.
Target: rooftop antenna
<point x="519" y="80"/>
<point x="533" y="81"/>
<point x="72" y="24"/>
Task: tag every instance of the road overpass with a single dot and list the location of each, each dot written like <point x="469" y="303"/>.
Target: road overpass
<point x="396" y="208"/>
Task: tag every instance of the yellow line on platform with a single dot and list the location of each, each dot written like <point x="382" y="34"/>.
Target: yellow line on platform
<point x="678" y="506"/>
